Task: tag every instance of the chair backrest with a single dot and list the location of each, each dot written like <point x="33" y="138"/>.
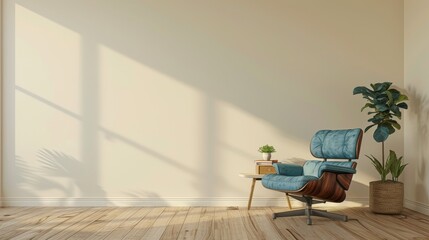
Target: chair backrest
<point x="337" y="144"/>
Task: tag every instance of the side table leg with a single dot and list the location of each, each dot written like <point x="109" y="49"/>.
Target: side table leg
<point x="251" y="193"/>
<point x="288" y="201"/>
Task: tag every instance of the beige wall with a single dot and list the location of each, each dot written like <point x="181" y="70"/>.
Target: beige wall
<point x="416" y="137"/>
<point x="132" y="102"/>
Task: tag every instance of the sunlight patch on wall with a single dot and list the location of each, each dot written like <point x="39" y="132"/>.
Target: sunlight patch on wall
<point x="152" y="122"/>
<point x="47" y="58"/>
<point x="47" y="105"/>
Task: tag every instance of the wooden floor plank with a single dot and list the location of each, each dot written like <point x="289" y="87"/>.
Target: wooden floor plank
<point x="12" y="211"/>
<point x="322" y="228"/>
<point x="95" y="222"/>
<point x="284" y="226"/>
<point x="144" y="225"/>
<point x="52" y="233"/>
<point x="129" y="224"/>
<point x="109" y="214"/>
<point x="205" y="229"/>
<point x="176" y="223"/>
<point x="236" y="224"/>
<point x="418" y="221"/>
<point x="190" y="225"/>
<point x="203" y="223"/>
<point x="57" y="218"/>
<point x="384" y="223"/>
<point x="26" y="222"/>
<point x="264" y="220"/>
<point x="221" y="224"/>
<point x="252" y="230"/>
<point x="78" y="224"/>
<point x="114" y="223"/>
<point x="9" y="220"/>
<point x="159" y="226"/>
<point x="329" y="229"/>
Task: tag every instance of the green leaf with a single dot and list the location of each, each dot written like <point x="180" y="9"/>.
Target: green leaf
<point x="386" y="85"/>
<point x="367" y="105"/>
<point x="401" y="169"/>
<point x="389" y="126"/>
<point x="395" y="124"/>
<point x="378" y="118"/>
<point x="375" y="120"/>
<point x="381" y="87"/>
<point x="381" y="99"/>
<point x="401" y="98"/>
<point x="403" y="105"/>
<point x="377" y="87"/>
<point x="395" y="109"/>
<point x="369" y="99"/>
<point x="383" y="171"/>
<point x="380" y="115"/>
<point x="398" y="114"/>
<point x="381" y="133"/>
<point x="376" y="164"/>
<point x="396" y="165"/>
<point x="390" y="97"/>
<point x="392" y="154"/>
<point x="361" y="90"/>
<point x="395" y="93"/>
<point x="381" y="107"/>
<point x="370" y="126"/>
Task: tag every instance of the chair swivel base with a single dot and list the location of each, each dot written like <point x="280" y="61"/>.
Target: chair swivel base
<point x="311" y="212"/>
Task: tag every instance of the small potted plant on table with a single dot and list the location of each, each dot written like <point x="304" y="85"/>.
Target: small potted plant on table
<point x="266" y="151"/>
<point x="386" y="197"/>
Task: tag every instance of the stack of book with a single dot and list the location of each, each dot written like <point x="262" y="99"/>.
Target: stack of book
<point x="265" y="166"/>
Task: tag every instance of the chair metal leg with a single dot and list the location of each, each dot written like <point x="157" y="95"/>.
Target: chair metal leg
<point x="308" y="214"/>
<point x="329" y="215"/>
<point x="299" y="212"/>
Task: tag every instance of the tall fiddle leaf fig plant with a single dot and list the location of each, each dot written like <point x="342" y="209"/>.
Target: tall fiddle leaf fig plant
<point x="384" y="104"/>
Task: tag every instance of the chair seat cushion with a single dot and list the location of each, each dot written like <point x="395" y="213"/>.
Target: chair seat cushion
<point x="286" y="183"/>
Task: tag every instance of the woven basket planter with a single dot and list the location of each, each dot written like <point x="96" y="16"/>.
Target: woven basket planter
<point x="386" y="197"/>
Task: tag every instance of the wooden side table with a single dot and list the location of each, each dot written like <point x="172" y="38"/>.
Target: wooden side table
<point x="256" y="177"/>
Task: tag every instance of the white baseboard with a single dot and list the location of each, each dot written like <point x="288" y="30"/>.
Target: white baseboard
<point x="417" y="206"/>
<point x="151" y="202"/>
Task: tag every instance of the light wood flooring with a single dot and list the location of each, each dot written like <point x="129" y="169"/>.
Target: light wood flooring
<point x="202" y="223"/>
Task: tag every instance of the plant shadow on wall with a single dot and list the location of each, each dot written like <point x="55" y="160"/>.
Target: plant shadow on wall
<point x="419" y="115"/>
<point x="28" y="179"/>
<point x="56" y="171"/>
<point x="57" y="160"/>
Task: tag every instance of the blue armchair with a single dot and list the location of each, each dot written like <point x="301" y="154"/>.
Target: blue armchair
<point x="319" y="181"/>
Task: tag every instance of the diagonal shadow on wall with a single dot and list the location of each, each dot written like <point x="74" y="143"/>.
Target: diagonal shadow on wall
<point x="419" y="114"/>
